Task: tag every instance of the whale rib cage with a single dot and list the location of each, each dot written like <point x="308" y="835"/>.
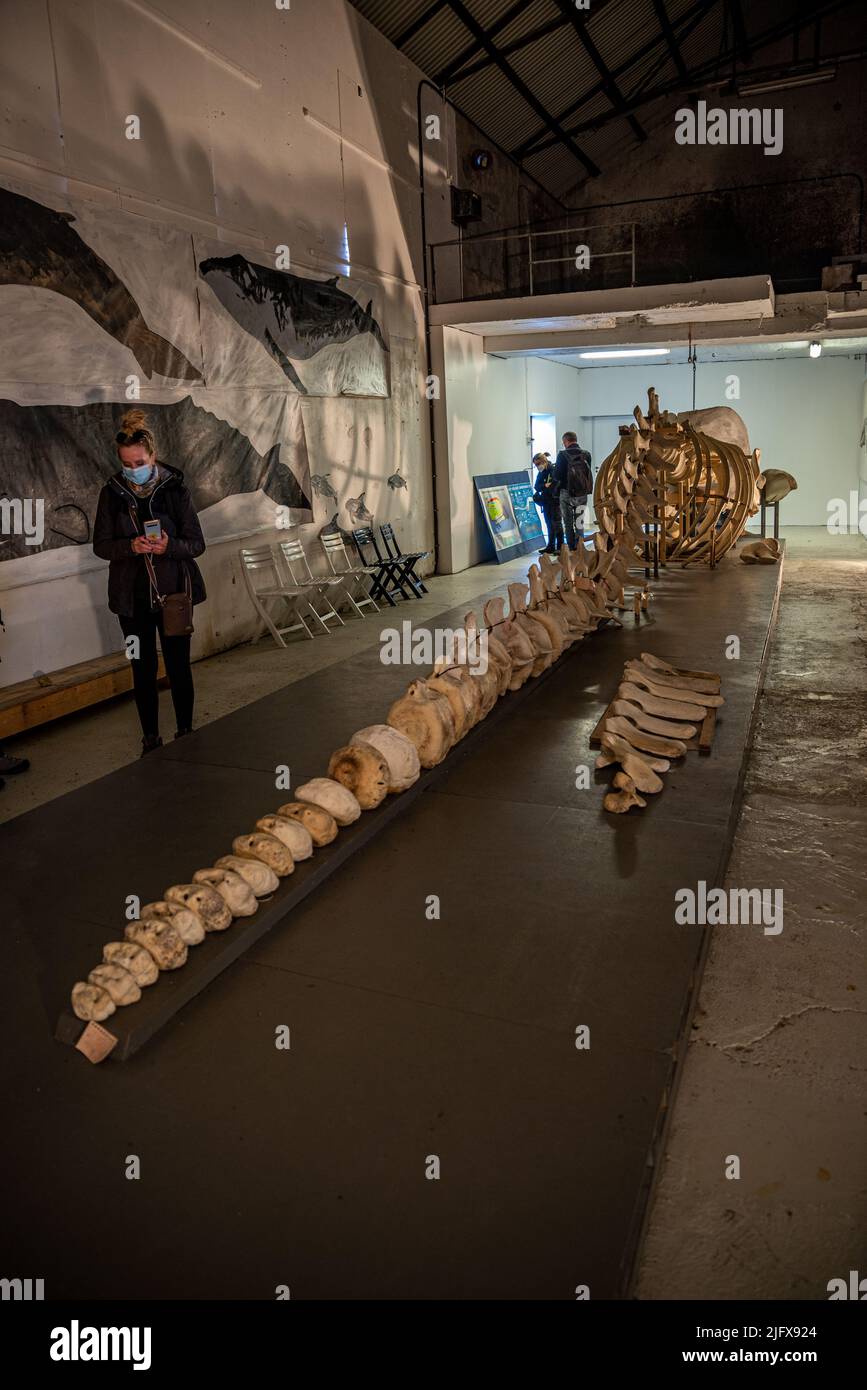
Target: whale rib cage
<point x="705" y="489"/>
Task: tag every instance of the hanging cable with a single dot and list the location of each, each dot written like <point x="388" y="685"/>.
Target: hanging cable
<point x="693" y="358"/>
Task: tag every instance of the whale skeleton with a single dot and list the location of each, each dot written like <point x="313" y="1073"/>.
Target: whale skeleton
<point x="703" y="491"/>
<point x="562" y="601"/>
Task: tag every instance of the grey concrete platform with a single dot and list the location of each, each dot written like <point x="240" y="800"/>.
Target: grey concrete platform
<point x="410" y="1037"/>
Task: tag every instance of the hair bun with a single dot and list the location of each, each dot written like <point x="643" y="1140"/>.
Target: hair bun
<point x="133" y="420"/>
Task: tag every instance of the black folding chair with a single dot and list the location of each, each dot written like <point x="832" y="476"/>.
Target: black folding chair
<point x="407" y="563"/>
<point x="385" y="581"/>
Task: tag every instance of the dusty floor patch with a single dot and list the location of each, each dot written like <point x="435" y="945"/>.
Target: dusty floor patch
<point x="775" y="1070"/>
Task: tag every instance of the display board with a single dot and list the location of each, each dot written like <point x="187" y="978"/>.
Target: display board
<point x="511" y="515"/>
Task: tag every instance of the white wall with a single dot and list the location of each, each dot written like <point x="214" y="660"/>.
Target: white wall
<point x="484" y="412"/>
<point x="259" y="126"/>
<point x="804" y="415"/>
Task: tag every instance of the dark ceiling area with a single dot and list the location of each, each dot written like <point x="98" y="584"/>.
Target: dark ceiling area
<point x="567" y="91"/>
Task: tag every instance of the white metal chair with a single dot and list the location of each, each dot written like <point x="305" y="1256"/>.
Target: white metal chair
<point x="266" y="585"/>
<point x="320" y="589"/>
<point x="354" y="579"/>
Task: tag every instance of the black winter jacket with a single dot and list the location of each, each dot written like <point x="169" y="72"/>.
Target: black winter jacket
<point x="545" y="489"/>
<point x="561" y="467"/>
<point x="170" y="503"/>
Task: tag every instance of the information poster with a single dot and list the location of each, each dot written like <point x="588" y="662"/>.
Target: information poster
<point x="526" y="512"/>
<point x="511" y="517"/>
<point x="502" y="522"/>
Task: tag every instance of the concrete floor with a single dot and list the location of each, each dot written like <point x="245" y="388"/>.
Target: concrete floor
<point x="775" y="1070"/>
<point x="451" y="1036"/>
<point x="774" y="1073"/>
<point x="77" y="750"/>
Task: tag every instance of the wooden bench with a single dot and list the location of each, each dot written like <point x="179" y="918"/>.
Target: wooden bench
<point x="30" y="703"/>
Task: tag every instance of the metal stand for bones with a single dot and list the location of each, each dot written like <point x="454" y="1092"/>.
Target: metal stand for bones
<point x="775" y="508"/>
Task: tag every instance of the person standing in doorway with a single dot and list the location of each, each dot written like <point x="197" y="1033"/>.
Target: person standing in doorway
<point x="574" y="480"/>
<point x="147" y="528"/>
<point x="545" y="495"/>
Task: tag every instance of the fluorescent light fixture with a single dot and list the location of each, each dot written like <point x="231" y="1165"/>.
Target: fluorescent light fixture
<point x="788" y="84"/>
<point x="815" y="349"/>
<point x="626" y="352"/>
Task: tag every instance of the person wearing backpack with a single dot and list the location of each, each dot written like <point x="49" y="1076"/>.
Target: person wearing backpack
<point x="574" y="479"/>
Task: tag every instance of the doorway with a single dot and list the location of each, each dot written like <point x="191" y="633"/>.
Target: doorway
<point x="543" y="435"/>
<point x="543" y="440"/>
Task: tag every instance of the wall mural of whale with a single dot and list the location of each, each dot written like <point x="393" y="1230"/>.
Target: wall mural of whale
<point x="295" y="318"/>
<point x="64" y="453"/>
<point x="40" y="248"/>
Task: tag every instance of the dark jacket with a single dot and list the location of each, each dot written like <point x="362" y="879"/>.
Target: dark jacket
<point x="545" y="490"/>
<point x="113" y="531"/>
<point x="561" y="467"/>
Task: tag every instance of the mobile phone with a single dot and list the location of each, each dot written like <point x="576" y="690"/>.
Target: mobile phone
<point x="153" y="531"/>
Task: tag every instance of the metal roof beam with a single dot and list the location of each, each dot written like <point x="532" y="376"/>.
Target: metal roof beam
<point x="471" y="23"/>
<point x="446" y="74"/>
<point x="609" y="86"/>
<point x="417" y="24"/>
<point x="550" y="27"/>
<point x="684" y="25"/>
<point x="665" y="25"/>
<point x="696" y="76"/>
<point x="507" y="50"/>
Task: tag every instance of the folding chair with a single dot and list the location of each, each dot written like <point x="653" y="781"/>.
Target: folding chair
<point x="265" y="584"/>
<point x="385" y="580"/>
<point x="298" y="569"/>
<point x="407" y="562"/>
<point x="354" y="578"/>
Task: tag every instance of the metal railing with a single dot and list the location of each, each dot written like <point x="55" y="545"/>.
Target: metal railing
<point x="788" y="229"/>
<point x="535" y="236"/>
<point x="511" y="263"/>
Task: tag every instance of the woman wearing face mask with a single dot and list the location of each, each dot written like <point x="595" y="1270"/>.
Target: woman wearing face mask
<point x="146" y="491"/>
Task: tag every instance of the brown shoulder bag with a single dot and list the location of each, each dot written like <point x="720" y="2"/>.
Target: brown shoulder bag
<point x="177" y="609"/>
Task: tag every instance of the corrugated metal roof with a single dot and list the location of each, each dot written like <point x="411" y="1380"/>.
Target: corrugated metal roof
<point x="560" y="73"/>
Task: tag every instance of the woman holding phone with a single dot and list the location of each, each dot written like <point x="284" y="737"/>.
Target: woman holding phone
<point x="147" y="528"/>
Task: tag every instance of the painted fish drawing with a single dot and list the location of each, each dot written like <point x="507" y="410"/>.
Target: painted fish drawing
<point x="321" y="485"/>
<point x="397" y="480"/>
<point x="292" y="317"/>
<point x="64" y="454"/>
<point x="357" y="509"/>
<point x="39" y="248"/>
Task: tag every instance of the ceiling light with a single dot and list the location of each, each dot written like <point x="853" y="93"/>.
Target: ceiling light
<point x="788" y="84"/>
<point x="627" y="352"/>
<point x="815" y="349"/>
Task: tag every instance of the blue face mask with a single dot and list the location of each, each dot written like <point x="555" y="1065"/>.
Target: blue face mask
<point x="139" y="475"/>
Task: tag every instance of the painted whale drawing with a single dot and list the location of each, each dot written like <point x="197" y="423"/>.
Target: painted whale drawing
<point x="64" y="454"/>
<point x="39" y="248"/>
<point x="292" y="317"/>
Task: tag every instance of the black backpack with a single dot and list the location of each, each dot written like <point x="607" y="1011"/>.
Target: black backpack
<point x="579" y="479"/>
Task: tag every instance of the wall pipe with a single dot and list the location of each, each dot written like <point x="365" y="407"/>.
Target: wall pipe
<point x="426" y="82"/>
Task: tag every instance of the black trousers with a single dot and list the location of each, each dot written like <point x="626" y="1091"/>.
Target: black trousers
<point x="144" y="625"/>
<point x="553" y="522"/>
